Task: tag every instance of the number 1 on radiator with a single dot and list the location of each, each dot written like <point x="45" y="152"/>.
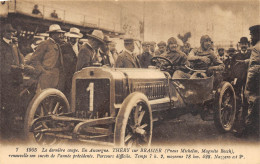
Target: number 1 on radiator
<point x="91" y="95"/>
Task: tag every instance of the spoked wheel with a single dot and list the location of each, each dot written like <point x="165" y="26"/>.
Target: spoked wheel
<point x="225" y="106"/>
<point x="161" y="62"/>
<point x="134" y="122"/>
<point x="47" y="102"/>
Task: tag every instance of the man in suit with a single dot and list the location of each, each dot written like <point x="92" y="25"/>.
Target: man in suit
<point x="88" y="53"/>
<point x="239" y="66"/>
<point x="12" y="65"/>
<point x="105" y="55"/>
<point x="127" y="59"/>
<point x="113" y="50"/>
<point x="70" y="52"/>
<point x="48" y="60"/>
<point x="152" y="45"/>
<point x="145" y="57"/>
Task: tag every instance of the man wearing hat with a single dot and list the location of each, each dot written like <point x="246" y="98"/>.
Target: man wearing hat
<point x="48" y="60"/>
<point x="239" y="65"/>
<point x="221" y="54"/>
<point x="244" y="53"/>
<point x="70" y="52"/>
<point x="12" y="65"/>
<point x="252" y="89"/>
<point x="109" y="57"/>
<point x="146" y="56"/>
<point x="127" y="59"/>
<point x="161" y="49"/>
<point x="104" y="55"/>
<point x="177" y="57"/>
<point x="152" y="47"/>
<point x="113" y="51"/>
<point x="88" y="52"/>
<point x="204" y="58"/>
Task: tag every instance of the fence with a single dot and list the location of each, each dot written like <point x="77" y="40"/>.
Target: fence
<point x="66" y="16"/>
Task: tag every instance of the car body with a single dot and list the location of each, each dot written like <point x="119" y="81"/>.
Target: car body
<point x="123" y="103"/>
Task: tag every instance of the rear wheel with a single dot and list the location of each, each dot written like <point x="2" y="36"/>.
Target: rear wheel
<point x="225" y="107"/>
<point x="134" y="122"/>
<point x="47" y="102"/>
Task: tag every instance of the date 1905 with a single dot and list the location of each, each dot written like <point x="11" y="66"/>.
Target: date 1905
<point x="31" y="149"/>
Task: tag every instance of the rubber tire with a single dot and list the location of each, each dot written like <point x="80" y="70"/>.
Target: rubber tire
<point x="35" y="102"/>
<point x="223" y="87"/>
<point x="123" y="115"/>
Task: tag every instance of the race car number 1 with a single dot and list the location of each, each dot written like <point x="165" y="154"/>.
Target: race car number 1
<point x="91" y="95"/>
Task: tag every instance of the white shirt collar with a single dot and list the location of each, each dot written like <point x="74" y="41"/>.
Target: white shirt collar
<point x="76" y="48"/>
<point x="8" y="41"/>
<point x="52" y="39"/>
<point x="33" y="47"/>
<point x="128" y="51"/>
<point x="244" y="52"/>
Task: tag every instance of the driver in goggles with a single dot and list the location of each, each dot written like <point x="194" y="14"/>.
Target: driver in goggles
<point x="204" y="58"/>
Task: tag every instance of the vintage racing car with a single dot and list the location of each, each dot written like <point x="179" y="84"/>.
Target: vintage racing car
<point x="119" y="105"/>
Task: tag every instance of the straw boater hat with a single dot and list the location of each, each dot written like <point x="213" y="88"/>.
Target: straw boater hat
<point x="107" y="39"/>
<point x="55" y="28"/>
<point x="98" y="35"/>
<point x="74" y="33"/>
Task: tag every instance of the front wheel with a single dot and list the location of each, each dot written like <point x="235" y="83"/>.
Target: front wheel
<point x="225" y="107"/>
<point x="47" y="102"/>
<point x="134" y="122"/>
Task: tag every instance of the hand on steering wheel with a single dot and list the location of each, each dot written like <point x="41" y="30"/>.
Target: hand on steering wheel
<point x="162" y="63"/>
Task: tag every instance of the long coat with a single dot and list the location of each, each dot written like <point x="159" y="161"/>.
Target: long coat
<point x="10" y="55"/>
<point x="10" y="82"/>
<point x="126" y="60"/>
<point x="70" y="62"/>
<point x="86" y="57"/>
<point x="48" y="62"/>
<point x="252" y="89"/>
<point x="204" y="59"/>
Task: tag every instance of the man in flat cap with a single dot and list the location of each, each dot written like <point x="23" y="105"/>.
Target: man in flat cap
<point x="127" y="59"/>
<point x="252" y="89"/>
<point x="152" y="47"/>
<point x="161" y="49"/>
<point x="48" y="60"/>
<point x="12" y="64"/>
<point x="177" y="58"/>
<point x="88" y="52"/>
<point x="70" y="52"/>
<point x="146" y="56"/>
<point x="221" y="53"/>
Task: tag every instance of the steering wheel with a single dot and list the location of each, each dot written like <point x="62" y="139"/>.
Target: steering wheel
<point x="162" y="63"/>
